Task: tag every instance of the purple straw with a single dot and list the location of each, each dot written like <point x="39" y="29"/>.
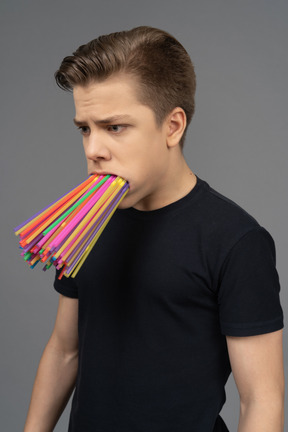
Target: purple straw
<point x="107" y="213"/>
<point x="102" y="220"/>
<point x="32" y="243"/>
<point x="45" y="208"/>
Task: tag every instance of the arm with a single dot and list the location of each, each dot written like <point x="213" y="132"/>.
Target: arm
<point x="56" y="375"/>
<point x="257" y="366"/>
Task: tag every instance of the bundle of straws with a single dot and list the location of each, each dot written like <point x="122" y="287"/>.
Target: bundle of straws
<point x="64" y="233"/>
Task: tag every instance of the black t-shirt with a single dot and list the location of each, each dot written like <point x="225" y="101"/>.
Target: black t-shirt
<point x="157" y="296"/>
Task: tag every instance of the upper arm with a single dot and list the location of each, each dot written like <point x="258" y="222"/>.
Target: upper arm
<point x="257" y="365"/>
<point x="65" y="332"/>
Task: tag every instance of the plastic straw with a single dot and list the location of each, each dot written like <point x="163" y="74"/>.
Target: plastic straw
<point x="64" y="233"/>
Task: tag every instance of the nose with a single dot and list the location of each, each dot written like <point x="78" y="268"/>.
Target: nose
<point x="95" y="148"/>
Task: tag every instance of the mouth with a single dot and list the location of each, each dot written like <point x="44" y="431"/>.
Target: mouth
<point x="104" y="173"/>
<point x="100" y="173"/>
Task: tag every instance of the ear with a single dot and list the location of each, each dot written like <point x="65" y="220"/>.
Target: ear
<point x="176" y="124"/>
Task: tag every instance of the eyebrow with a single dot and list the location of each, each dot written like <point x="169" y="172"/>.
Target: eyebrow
<point x="108" y="120"/>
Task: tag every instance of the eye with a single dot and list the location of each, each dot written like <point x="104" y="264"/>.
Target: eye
<point x="84" y="130"/>
<point x="116" y="129"/>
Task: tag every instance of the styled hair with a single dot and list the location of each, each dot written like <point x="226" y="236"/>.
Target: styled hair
<point x="160" y="64"/>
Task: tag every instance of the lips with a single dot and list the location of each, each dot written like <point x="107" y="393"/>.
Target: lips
<point x="100" y="173"/>
<point x="104" y="173"/>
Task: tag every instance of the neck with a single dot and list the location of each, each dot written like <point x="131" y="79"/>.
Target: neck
<point x="183" y="180"/>
<point x="176" y="182"/>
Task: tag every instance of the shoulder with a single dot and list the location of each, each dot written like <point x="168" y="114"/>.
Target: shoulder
<point x="221" y="209"/>
<point x="224" y="226"/>
<point x="222" y="218"/>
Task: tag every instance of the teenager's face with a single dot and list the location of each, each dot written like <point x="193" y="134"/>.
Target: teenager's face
<point x="121" y="137"/>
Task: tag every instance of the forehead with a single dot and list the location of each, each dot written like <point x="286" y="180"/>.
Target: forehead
<point x="118" y="90"/>
<point x="117" y="96"/>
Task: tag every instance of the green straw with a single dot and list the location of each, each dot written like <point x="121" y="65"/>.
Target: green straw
<point x="27" y="256"/>
<point x="49" y="265"/>
<point x="75" y="205"/>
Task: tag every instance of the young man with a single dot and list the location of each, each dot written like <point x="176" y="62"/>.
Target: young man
<point x="181" y="286"/>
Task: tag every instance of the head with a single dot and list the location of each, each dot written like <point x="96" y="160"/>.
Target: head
<point x="158" y="64"/>
<point x="132" y="108"/>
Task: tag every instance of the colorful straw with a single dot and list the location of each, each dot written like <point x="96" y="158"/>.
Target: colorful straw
<point x="64" y="233"/>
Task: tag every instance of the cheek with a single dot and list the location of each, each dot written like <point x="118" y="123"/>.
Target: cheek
<point x="89" y="163"/>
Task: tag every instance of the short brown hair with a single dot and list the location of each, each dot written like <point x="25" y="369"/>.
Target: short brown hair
<point x="159" y="62"/>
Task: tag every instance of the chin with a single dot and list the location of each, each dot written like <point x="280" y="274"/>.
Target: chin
<point x="128" y="201"/>
<point x="124" y="204"/>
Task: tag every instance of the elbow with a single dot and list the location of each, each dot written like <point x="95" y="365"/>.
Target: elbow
<point x="67" y="352"/>
<point x="71" y="356"/>
<point x="267" y="407"/>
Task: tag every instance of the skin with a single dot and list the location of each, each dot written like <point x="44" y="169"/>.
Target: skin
<point x="257" y="367"/>
<point x="120" y="136"/>
<point x="56" y="375"/>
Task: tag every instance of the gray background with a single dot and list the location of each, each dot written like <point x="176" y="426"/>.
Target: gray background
<point x="237" y="140"/>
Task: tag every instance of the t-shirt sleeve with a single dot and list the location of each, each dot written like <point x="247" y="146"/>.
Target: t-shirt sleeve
<point x="248" y="296"/>
<point x="65" y="286"/>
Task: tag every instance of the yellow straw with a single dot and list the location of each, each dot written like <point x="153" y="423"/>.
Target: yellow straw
<point x="36" y="258"/>
<point x="54" y="204"/>
<point x="55" y="215"/>
<point x="91" y="245"/>
<point x="59" y="229"/>
<point x="92" y="221"/>
<point x="88" y="216"/>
